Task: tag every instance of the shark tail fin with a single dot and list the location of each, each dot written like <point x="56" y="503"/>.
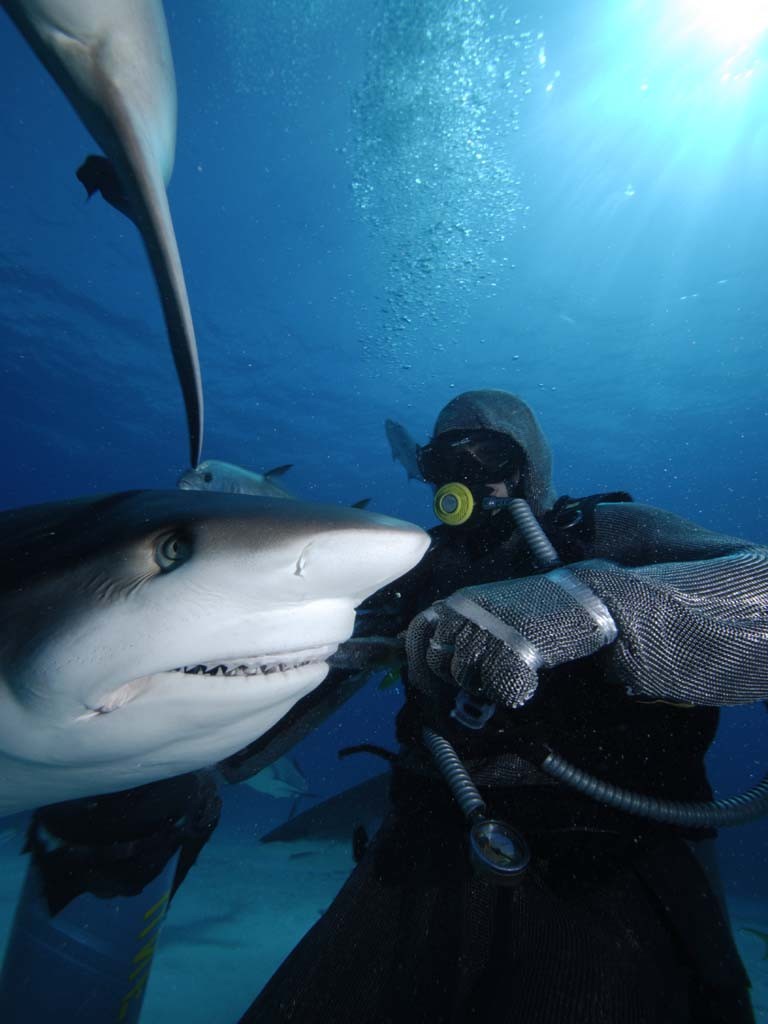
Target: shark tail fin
<point x="145" y="190"/>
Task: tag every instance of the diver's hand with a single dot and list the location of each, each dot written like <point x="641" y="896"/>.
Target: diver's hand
<point x="493" y="639"/>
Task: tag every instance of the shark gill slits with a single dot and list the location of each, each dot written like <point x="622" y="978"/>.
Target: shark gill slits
<point x="171" y="551"/>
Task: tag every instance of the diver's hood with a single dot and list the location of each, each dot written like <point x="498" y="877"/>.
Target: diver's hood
<point x="507" y="414"/>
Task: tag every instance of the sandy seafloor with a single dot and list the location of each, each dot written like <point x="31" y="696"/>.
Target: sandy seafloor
<point x="245" y="905"/>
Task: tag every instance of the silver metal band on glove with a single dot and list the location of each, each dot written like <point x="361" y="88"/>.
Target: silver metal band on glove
<point x="685" y="610"/>
<point x="492" y="624"/>
<point x="461" y="603"/>
<point x="589" y="600"/>
<point x="494" y="638"/>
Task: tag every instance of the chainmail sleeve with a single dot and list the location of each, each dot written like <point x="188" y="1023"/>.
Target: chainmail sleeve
<point x="691" y="606"/>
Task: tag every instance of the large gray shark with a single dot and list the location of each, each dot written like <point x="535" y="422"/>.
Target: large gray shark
<point x="151" y="633"/>
<point x="113" y="60"/>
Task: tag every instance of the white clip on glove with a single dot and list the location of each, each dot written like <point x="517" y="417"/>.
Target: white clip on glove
<point x="492" y="639"/>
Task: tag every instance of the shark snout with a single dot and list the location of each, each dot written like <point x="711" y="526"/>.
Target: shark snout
<point x="358" y="561"/>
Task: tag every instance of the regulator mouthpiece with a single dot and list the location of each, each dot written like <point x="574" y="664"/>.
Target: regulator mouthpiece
<point x="454" y="504"/>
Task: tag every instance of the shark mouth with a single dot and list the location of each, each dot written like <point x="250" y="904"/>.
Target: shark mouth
<point x="258" y="665"/>
<point x="262" y="665"/>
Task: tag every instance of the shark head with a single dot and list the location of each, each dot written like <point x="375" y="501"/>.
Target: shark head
<point x="151" y="633"/>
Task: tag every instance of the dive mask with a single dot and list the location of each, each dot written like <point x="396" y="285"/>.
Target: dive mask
<point x="469" y="460"/>
<point x="471" y="456"/>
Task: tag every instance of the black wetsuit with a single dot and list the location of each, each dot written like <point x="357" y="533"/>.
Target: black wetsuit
<point x="616" y="921"/>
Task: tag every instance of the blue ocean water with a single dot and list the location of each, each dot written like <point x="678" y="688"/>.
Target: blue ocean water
<point x="379" y="204"/>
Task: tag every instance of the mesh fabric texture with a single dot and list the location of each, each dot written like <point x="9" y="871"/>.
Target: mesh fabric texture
<point x="413" y="936"/>
<point x="693" y="624"/>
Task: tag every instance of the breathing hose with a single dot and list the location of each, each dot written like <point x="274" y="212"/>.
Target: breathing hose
<point x="735" y="810"/>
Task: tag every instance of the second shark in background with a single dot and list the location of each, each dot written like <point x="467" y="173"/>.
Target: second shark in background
<point x="112" y="59"/>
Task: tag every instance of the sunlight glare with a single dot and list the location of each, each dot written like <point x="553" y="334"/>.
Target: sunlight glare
<point x="736" y="23"/>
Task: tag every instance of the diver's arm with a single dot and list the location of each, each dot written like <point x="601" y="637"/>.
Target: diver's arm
<point x="690" y="624"/>
<point x="694" y="631"/>
<point x="690" y="605"/>
<point x="635" y="534"/>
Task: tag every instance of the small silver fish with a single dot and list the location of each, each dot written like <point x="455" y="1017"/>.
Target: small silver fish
<point x="226" y="477"/>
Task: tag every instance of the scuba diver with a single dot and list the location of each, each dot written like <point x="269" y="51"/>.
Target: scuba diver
<point x="547" y="857"/>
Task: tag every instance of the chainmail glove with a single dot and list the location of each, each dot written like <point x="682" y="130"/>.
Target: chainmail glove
<point x="493" y="639"/>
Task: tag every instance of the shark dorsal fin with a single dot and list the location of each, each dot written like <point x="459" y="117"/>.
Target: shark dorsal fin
<point x="278" y="471"/>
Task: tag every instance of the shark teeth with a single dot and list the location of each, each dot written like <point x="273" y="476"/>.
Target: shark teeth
<point x="240" y="670"/>
<point x="261" y="666"/>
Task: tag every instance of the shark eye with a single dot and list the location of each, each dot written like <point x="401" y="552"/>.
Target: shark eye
<point x="207" y="477"/>
<point x="172" y="551"/>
